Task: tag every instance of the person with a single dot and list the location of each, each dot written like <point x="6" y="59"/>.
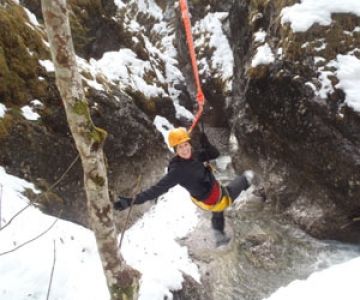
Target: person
<point x="190" y="169"/>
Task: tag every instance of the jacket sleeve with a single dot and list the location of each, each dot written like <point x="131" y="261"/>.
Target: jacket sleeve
<point x="207" y="151"/>
<point x="163" y="185"/>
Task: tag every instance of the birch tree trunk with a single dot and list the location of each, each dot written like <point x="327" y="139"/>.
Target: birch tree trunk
<point x="123" y="281"/>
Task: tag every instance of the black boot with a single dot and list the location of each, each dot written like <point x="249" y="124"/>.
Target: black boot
<point x="218" y="221"/>
<point x="218" y="224"/>
<point x="221" y="239"/>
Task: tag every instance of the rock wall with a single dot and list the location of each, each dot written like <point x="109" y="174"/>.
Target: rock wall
<point x="42" y="150"/>
<point x="305" y="146"/>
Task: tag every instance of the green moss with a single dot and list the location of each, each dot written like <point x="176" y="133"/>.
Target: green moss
<point x="81" y="35"/>
<point x="123" y="293"/>
<point x="5" y="125"/>
<point x="258" y="72"/>
<point x="258" y="5"/>
<point x="333" y="36"/>
<point x="146" y="104"/>
<point x="39" y="88"/>
<point x="20" y="48"/>
<point x="81" y="107"/>
<point x="98" y="180"/>
<point x="84" y="14"/>
<point x="98" y="135"/>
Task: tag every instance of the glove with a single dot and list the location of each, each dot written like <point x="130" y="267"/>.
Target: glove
<point x="122" y="203"/>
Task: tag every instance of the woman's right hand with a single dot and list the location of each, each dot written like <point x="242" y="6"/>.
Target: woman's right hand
<point x="122" y="203"/>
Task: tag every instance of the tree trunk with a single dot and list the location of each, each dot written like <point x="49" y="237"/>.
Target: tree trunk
<point x="123" y="281"/>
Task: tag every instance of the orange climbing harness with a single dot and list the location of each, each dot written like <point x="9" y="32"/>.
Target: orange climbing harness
<point x="189" y="39"/>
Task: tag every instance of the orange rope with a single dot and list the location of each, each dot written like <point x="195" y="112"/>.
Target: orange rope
<point x="189" y="39"/>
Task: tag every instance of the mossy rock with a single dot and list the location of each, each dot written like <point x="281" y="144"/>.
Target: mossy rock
<point x="94" y="30"/>
<point x="5" y="125"/>
<point x="144" y="103"/>
<point x="258" y="72"/>
<point x="19" y="54"/>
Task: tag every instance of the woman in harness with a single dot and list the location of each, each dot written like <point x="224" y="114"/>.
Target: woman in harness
<point x="191" y="170"/>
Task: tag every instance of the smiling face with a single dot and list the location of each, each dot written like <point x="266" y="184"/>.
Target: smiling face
<point x="184" y="150"/>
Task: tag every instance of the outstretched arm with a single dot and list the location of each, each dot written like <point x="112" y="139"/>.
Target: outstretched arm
<point x="164" y="184"/>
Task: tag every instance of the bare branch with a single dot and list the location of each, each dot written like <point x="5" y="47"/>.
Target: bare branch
<point x="63" y="175"/>
<point x="30" y="204"/>
<point x="135" y="191"/>
<point x="52" y="273"/>
<point x="14" y="216"/>
<point x="33" y="239"/>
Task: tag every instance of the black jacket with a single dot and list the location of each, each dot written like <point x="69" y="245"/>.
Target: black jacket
<point x="189" y="173"/>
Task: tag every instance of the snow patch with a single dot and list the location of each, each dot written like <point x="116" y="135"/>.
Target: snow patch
<point x="263" y="56"/>
<point x="260" y="36"/>
<point x="302" y="16"/>
<point x="29" y="114"/>
<point x="47" y="64"/>
<point x="210" y="33"/>
<point x="348" y="74"/>
<point x="3" y="110"/>
<point x="336" y="282"/>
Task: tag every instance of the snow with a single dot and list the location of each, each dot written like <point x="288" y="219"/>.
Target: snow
<point x="37" y="103"/>
<point x="326" y="85"/>
<point x="260" y="36"/>
<point x="263" y="56"/>
<point x="155" y="251"/>
<point x="119" y="3"/>
<point x="163" y="126"/>
<point x="146" y="6"/>
<point x="337" y="282"/>
<point x="77" y="263"/>
<point x="31" y="17"/>
<point x="29" y="114"/>
<point x="150" y="7"/>
<point x="347" y="68"/>
<point x="47" y="64"/>
<point x="89" y="69"/>
<point x="302" y="16"/>
<point x="209" y="31"/>
<point x="149" y="246"/>
<point x="124" y="66"/>
<point x="318" y="59"/>
<point x="348" y="74"/>
<point x="2" y="110"/>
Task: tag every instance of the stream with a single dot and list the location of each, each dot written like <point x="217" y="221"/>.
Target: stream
<point x="266" y="251"/>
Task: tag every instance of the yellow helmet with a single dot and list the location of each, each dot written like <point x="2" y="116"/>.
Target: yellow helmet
<point x="177" y="136"/>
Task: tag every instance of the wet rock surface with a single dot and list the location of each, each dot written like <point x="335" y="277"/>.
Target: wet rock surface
<point x="305" y="147"/>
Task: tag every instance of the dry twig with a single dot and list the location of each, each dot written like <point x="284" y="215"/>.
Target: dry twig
<point x="52" y="273"/>
<point x="48" y="190"/>
<point x="135" y="191"/>
<point x="31" y="240"/>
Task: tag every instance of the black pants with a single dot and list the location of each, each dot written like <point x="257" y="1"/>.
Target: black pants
<point x="234" y="189"/>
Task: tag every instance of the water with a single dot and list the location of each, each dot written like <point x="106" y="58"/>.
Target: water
<point x="268" y="252"/>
